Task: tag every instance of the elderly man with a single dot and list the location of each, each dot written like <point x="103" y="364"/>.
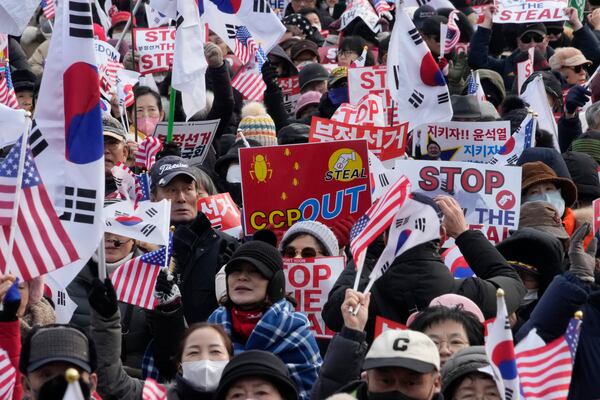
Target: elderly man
<point x="115" y="150"/>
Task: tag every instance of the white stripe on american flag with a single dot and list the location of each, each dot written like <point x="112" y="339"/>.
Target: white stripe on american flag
<point x="249" y="83"/>
<point x="8" y="189"/>
<point x="153" y="390"/>
<point x="134" y="283"/>
<point x="8" y="376"/>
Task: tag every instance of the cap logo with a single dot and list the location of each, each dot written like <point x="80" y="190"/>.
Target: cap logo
<point x="401" y="344"/>
<point x="168" y="167"/>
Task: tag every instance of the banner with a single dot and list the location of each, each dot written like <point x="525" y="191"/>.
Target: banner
<point x="490" y="196"/>
<point x="368" y="111"/>
<point x="360" y="9"/>
<point x="371" y="80"/>
<point x="193" y="138"/>
<point x="314" y="181"/>
<point x="310" y="281"/>
<point x="290" y="89"/>
<point x="107" y="58"/>
<point x="222" y="213"/>
<point x="155" y="47"/>
<point x="387" y="142"/>
<point x="529" y="11"/>
<point x="462" y="141"/>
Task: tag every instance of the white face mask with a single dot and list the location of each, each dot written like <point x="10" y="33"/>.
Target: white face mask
<point x="554" y="198"/>
<point x="531" y="296"/>
<point x="234" y="173"/>
<point x="203" y="375"/>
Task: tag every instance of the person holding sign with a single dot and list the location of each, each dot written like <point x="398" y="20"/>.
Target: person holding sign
<point x="257" y="315"/>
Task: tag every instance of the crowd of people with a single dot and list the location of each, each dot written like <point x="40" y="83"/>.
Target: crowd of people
<point x="225" y="328"/>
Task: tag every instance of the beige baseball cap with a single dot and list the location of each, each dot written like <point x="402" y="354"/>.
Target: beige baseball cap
<point x="405" y="349"/>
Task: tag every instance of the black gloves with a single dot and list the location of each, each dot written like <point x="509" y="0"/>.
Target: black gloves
<point x="576" y="97"/>
<point x="10" y="303"/>
<point x="103" y="298"/>
<point x="167" y="292"/>
<point x="269" y="75"/>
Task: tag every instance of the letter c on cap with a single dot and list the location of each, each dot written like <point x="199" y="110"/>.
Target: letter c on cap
<point x="398" y="347"/>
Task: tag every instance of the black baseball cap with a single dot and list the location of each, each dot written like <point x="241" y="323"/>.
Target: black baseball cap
<point x="167" y="168"/>
<point x="312" y="73"/>
<point x="538" y="28"/>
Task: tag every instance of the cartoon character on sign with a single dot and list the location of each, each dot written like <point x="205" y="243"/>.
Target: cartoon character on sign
<point x="260" y="169"/>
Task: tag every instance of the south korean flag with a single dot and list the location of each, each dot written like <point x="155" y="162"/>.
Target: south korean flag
<point x="148" y="223"/>
<point x="414" y="78"/>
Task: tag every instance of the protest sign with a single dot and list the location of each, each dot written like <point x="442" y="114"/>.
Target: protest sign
<point x="193" y="137"/>
<point x="222" y="213"/>
<point x="360" y="9"/>
<point x="155" y="47"/>
<point x="462" y="141"/>
<point x="384" y="324"/>
<point x="107" y="58"/>
<point x="371" y="80"/>
<point x="524" y="69"/>
<point x="596" y="207"/>
<point x="387" y="142"/>
<point x="290" y="89"/>
<point x="278" y="7"/>
<point x="315" y="181"/>
<point x="368" y="111"/>
<point x="310" y="281"/>
<point x="490" y="196"/>
<point x="526" y="11"/>
<point x="328" y="54"/>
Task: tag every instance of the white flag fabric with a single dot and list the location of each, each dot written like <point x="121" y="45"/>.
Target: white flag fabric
<point x="522" y="139"/>
<point x="414" y="78"/>
<point x="125" y="181"/>
<point x="148" y="223"/>
<point x="415" y="223"/>
<point x="189" y="63"/>
<point x="12" y="124"/>
<point x="15" y="15"/>
<point x="73" y="391"/>
<point x="126" y="80"/>
<point x="64" y="306"/>
<point x="535" y="96"/>
<point x="68" y="141"/>
<point x="166" y="7"/>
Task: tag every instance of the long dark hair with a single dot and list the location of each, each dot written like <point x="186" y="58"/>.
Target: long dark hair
<point x="201" y="325"/>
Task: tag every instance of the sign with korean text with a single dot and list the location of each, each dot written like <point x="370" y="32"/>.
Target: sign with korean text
<point x="371" y="80"/>
<point x="490" y="196"/>
<point x="310" y="281"/>
<point x="386" y="142"/>
<point x="528" y="11"/>
<point x="462" y="141"/>
<point x="107" y="61"/>
<point x="155" y="47"/>
<point x="290" y="89"/>
<point x="315" y="181"/>
<point x="193" y="137"/>
<point x="223" y="213"/>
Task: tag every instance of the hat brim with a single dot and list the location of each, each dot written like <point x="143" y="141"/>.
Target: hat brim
<point x="165" y="180"/>
<point x="261" y="267"/>
<point x="114" y="135"/>
<point x="315" y="79"/>
<point x="40" y="363"/>
<point x="566" y="186"/>
<point x="538" y="31"/>
<point x="286" y="387"/>
<point x="419" y="366"/>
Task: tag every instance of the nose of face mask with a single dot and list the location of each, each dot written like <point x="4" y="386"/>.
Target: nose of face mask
<point x="203" y="374"/>
<point x="147" y="124"/>
<point x="554" y="198"/>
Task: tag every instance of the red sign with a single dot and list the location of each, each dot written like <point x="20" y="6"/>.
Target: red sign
<point x="596" y="205"/>
<point x="310" y="281"/>
<point x="155" y="47"/>
<point x="222" y="213"/>
<point x="371" y="80"/>
<point x="290" y="89"/>
<point x="384" y="324"/>
<point x="314" y="181"/>
<point x="386" y="142"/>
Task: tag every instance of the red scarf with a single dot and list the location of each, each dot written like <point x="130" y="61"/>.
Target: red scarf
<point x="243" y="322"/>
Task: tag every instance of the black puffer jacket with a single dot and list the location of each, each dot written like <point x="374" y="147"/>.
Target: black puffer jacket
<point x="199" y="252"/>
<point x="419" y="275"/>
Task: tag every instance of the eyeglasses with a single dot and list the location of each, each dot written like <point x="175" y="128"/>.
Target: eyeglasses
<point x="453" y="345"/>
<point x="528" y="37"/>
<point x="577" y="69"/>
<point x="346" y="53"/>
<point x="116" y="242"/>
<point x="307" y="252"/>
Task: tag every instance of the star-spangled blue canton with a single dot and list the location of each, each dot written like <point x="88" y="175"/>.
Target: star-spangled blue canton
<point x="245" y="46"/>
<point x="359" y="226"/>
<point x="471" y="84"/>
<point x="572" y="335"/>
<point x="528" y="134"/>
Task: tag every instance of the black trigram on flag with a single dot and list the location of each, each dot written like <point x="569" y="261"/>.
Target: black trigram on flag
<point x="422" y="2"/>
<point x="383" y="180"/>
<point x="512" y="159"/>
<point x="443" y="98"/>
<point x="80" y="20"/>
<point x="61" y="299"/>
<point x="148" y="229"/>
<point x="415" y="36"/>
<point x="401" y="221"/>
<point x="385" y="267"/>
<point x="261" y="6"/>
<point x="151" y="212"/>
<point x="420" y="224"/>
<point x="80" y="205"/>
<point x="36" y="140"/>
<point x="397" y="75"/>
<point x="416" y="99"/>
<point x="231" y="30"/>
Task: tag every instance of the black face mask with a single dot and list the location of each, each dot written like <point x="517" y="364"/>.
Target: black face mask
<point x="393" y="395"/>
<point x="55" y="389"/>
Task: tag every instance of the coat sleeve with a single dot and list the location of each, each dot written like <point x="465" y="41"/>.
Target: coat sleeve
<point x="274" y="102"/>
<point x="493" y="273"/>
<point x="569" y="129"/>
<point x="167" y="329"/>
<point x="348" y="349"/>
<point x="10" y="341"/>
<point x="565" y="295"/>
<point x="223" y="103"/>
<point x="479" y="52"/>
<point x="113" y="381"/>
<point x="586" y="41"/>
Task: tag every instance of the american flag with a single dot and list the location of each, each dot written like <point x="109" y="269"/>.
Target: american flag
<point x="7" y="91"/>
<point x="378" y="217"/>
<point x="142" y="187"/>
<point x="41" y="243"/>
<point x="145" y="155"/>
<point x="125" y="181"/>
<point x="474" y="86"/>
<point x="49" y="8"/>
<point x="111" y="70"/>
<point x="153" y="390"/>
<point x="245" y="45"/>
<point x="381" y="6"/>
<point x="8" y="376"/>
<point x="545" y="370"/>
<point x="248" y="80"/>
<point x="135" y="279"/>
<point x="452" y="33"/>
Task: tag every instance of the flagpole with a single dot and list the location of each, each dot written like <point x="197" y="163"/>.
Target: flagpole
<point x="128" y="24"/>
<point x="101" y="260"/>
<point x="173" y="96"/>
<point x="18" y="189"/>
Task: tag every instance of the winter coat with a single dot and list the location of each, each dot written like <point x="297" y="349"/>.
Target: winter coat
<point x="419" y="275"/>
<point x="10" y="341"/>
<point x="223" y="104"/>
<point x="199" y="252"/>
<point x="137" y="333"/>
<point x="569" y="129"/>
<point x="285" y="333"/>
<point x="167" y="330"/>
<point x="114" y="383"/>
<point x="38" y="59"/>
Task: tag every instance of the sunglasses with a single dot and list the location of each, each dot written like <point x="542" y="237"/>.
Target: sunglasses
<point x="528" y="37"/>
<point x="307" y="252"/>
<point x="577" y="69"/>
<point x="554" y="31"/>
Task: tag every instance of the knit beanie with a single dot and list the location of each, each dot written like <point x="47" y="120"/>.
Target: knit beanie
<point x="261" y="364"/>
<point x="464" y="362"/>
<point x="316" y="229"/>
<point x="256" y="124"/>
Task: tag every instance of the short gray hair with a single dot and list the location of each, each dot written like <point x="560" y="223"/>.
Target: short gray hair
<point x="592" y="116"/>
